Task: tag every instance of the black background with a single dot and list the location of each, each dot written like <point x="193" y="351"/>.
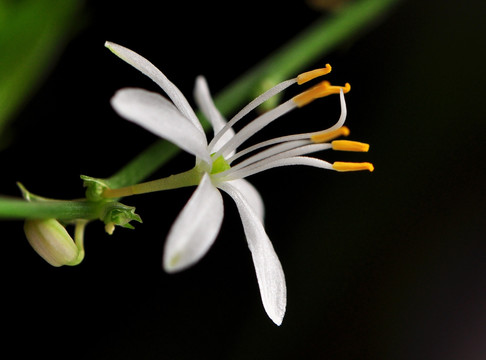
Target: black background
<point x="388" y="265"/>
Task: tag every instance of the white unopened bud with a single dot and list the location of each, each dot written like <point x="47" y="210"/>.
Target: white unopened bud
<point x="52" y="241"/>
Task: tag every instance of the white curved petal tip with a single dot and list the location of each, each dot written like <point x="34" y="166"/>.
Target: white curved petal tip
<point x="278" y="321"/>
<point x="173" y="264"/>
<point x="111" y="46"/>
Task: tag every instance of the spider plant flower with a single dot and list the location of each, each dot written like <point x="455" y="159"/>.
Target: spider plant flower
<point x="220" y="165"/>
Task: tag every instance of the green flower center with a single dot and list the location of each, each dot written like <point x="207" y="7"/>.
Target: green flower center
<point x="220" y="165"/>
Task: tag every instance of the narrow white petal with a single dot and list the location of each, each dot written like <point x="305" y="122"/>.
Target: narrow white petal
<point x="159" y="116"/>
<point x="195" y="229"/>
<point x="270" y="276"/>
<point x="205" y="103"/>
<point x="149" y="69"/>
<point x="252" y="196"/>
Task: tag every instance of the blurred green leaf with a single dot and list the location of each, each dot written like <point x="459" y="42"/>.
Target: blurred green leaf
<point x="32" y="35"/>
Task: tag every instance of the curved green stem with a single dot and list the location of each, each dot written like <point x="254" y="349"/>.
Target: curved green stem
<point x="79" y="241"/>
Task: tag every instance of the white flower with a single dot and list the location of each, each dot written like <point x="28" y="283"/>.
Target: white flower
<point x="197" y="226"/>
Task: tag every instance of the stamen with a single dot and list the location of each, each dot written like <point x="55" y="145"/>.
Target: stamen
<point x="255" y="126"/>
<point x="319" y="136"/>
<point x="350" y="166"/>
<point x="329" y="135"/>
<point x="311" y="75"/>
<point x="251" y="106"/>
<point x="346" y="145"/>
<point x="320" y="90"/>
<point x="263" y="166"/>
<point x="259" y="162"/>
<point x="272" y="151"/>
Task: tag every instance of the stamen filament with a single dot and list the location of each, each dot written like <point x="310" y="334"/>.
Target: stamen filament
<point x="266" y="143"/>
<point x="274" y="150"/>
<point x="311" y="75"/>
<point x="287" y="161"/>
<point x="317" y="134"/>
<point x="346" y="145"/>
<point x="188" y="178"/>
<point x="351" y="166"/>
<point x="255" y="126"/>
<point x="251" y="106"/>
<point x="259" y="162"/>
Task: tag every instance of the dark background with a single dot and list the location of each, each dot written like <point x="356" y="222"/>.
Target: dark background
<point x="388" y="265"/>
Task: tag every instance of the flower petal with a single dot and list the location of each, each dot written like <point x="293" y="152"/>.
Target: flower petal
<point x="270" y="276"/>
<point x="195" y="229"/>
<point x="206" y="105"/>
<point x="252" y="196"/>
<point x="149" y="69"/>
<point x="158" y="115"/>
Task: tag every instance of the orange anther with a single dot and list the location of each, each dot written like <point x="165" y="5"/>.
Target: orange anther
<point x="350" y="166"/>
<point x="311" y="75"/>
<point x="326" y="136"/>
<point x="346" y="145"/>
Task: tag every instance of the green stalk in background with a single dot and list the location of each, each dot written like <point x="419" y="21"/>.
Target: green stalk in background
<point x="32" y="33"/>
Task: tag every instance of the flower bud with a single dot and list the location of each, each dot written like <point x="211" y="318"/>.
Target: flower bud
<point x="51" y="241"/>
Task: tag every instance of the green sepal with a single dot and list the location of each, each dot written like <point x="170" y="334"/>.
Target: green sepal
<point x="118" y="214"/>
<point x="27" y="195"/>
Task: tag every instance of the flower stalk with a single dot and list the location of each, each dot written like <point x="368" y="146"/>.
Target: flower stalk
<point x="191" y="177"/>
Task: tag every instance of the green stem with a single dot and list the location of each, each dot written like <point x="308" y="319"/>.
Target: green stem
<point x="188" y="178"/>
<point x="62" y="210"/>
<point x="79" y="241"/>
<point x="315" y="42"/>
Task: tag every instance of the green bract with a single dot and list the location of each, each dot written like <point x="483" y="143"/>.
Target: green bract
<point x="119" y="214"/>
